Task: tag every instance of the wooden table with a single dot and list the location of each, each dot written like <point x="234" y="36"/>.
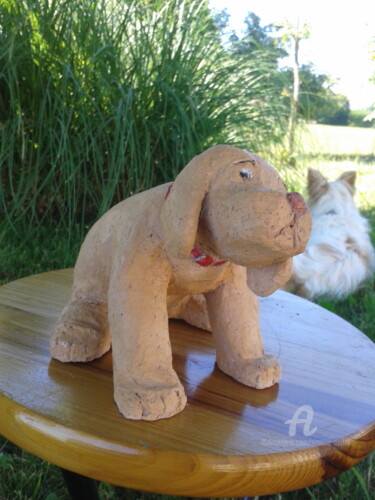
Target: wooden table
<point x="229" y="441"/>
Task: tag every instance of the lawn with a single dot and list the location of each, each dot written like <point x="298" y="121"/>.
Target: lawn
<point x="339" y="141"/>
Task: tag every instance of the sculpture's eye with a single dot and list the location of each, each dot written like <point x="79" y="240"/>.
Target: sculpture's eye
<point x="245" y="173"/>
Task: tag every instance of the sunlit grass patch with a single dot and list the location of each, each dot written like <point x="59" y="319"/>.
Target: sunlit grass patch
<point x="339" y="141"/>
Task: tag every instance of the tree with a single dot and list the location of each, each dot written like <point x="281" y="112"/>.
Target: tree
<point x="258" y="38"/>
<point x="221" y="20"/>
<point x="292" y="37"/>
<point x="257" y="53"/>
<point x="317" y="102"/>
<point x="371" y="116"/>
<point x="336" y="110"/>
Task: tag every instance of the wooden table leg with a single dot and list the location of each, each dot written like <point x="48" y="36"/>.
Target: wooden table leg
<point x="80" y="487"/>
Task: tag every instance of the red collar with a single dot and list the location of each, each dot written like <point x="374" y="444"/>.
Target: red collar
<point x="204" y="259"/>
<point x="199" y="257"/>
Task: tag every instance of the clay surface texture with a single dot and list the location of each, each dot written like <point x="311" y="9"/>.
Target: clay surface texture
<point x="201" y="249"/>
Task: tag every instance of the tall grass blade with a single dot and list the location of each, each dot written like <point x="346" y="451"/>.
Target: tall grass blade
<point x="361" y="483"/>
<point x="102" y="99"/>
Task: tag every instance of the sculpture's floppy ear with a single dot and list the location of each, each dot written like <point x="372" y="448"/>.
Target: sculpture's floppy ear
<point x="181" y="210"/>
<point x="267" y="279"/>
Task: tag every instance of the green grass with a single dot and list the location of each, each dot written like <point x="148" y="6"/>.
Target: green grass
<point x="47" y="249"/>
<point x="339" y="141"/>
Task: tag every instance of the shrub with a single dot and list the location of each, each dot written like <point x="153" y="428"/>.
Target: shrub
<point x="357" y="118"/>
<point x="101" y="99"/>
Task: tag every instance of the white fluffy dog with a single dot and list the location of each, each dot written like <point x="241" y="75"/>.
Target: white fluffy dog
<point x="339" y="255"/>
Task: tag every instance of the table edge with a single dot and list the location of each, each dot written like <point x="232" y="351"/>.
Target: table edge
<point x="234" y="475"/>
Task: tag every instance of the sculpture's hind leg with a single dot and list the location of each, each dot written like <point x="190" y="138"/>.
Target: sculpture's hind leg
<point x="191" y="309"/>
<point x="81" y="332"/>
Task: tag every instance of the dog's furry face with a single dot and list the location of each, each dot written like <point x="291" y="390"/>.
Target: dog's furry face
<point x="248" y="216"/>
<point x="336" y="196"/>
<point x="339" y="255"/>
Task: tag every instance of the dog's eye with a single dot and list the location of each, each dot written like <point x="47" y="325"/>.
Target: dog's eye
<point x="245" y="173"/>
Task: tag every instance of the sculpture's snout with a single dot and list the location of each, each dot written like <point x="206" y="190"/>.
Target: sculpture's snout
<point x="297" y="202"/>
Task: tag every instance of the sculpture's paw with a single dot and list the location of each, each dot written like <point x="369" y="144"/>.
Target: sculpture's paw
<point x="140" y="403"/>
<point x="81" y="333"/>
<point x="254" y="372"/>
<point x="73" y="342"/>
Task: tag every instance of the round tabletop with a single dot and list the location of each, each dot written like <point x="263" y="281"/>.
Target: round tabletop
<point x="230" y="440"/>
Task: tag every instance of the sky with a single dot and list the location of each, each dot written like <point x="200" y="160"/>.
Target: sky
<point x="339" y="43"/>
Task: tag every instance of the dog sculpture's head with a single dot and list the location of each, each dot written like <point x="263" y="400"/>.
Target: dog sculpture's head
<point x="235" y="204"/>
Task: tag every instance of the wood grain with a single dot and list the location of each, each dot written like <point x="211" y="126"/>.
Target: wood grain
<point x="229" y="441"/>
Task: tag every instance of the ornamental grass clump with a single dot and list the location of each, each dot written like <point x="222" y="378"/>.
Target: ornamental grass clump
<point x="102" y="99"/>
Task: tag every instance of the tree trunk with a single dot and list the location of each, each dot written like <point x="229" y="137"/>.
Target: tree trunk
<point x="294" y="100"/>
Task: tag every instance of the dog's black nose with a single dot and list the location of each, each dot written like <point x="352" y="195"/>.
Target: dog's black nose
<point x="297" y="202"/>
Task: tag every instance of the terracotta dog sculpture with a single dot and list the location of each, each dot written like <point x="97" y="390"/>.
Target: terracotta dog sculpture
<point x="226" y="228"/>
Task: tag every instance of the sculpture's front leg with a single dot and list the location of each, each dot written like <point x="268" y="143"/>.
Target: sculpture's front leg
<point x="233" y="312"/>
<point x="145" y="383"/>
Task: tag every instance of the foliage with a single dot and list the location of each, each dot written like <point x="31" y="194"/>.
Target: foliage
<point x="258" y="38"/>
<point x="221" y="20"/>
<point x="50" y="247"/>
<point x="24" y="477"/>
<point x="99" y="102"/>
<point x="359" y="118"/>
<point x="336" y="111"/>
<point x="317" y="102"/>
<point x="291" y="34"/>
<point x="261" y="43"/>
